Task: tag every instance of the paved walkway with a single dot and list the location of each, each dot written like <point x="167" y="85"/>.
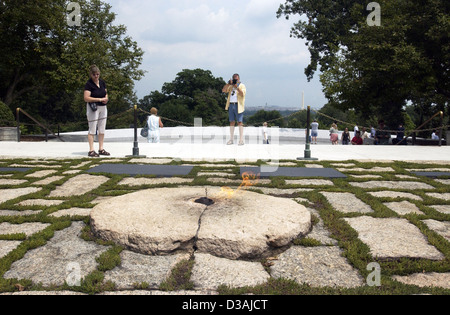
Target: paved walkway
<point x="218" y="152"/>
<point x="381" y="227"/>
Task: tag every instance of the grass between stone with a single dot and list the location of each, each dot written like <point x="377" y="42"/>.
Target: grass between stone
<point x="356" y="252"/>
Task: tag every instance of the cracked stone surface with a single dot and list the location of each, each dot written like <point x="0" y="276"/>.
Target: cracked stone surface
<point x="369" y="170"/>
<point x="41" y="174"/>
<point x="395" y="194"/>
<point x="72" y="212"/>
<point x="442" y="228"/>
<point x="79" y="185"/>
<point x="12" y="182"/>
<point x="443" y="196"/>
<point x="210" y="272"/>
<point x="161" y="221"/>
<point x="26" y="228"/>
<point x="51" y="264"/>
<point x="40" y="202"/>
<point x="347" y="202"/>
<point x="12" y="213"/>
<point x="442" y="208"/>
<point x="320" y="232"/>
<point x="8" y="246"/>
<point x="154" y="181"/>
<point x="393" y="238"/>
<point x="9" y="194"/>
<point x="316" y="266"/>
<point x="48" y="180"/>
<point x="137" y="268"/>
<point x="404" y="207"/>
<point x="392" y="185"/>
<point x="440" y="280"/>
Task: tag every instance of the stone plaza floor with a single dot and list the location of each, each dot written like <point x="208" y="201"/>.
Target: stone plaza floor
<point x="381" y="229"/>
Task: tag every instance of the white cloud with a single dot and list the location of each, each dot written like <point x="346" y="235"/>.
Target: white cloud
<point x="224" y="37"/>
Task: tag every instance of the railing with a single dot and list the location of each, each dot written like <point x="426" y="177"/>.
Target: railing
<point x="410" y="133"/>
<point x="47" y="131"/>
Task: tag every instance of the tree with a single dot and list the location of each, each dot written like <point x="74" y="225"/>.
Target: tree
<point x="192" y="94"/>
<point x="377" y="70"/>
<point x="273" y="118"/>
<point x="6" y="116"/>
<point x="45" y="61"/>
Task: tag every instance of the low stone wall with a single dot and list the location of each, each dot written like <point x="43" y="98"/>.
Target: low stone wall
<point x="8" y="134"/>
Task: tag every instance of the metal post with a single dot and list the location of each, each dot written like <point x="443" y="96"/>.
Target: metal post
<point x="308" y="141"/>
<point x="441" y="131"/>
<point x="136" y="142"/>
<point x="18" y="123"/>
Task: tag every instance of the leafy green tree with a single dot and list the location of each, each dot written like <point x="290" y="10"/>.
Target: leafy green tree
<point x="6" y="116"/>
<point x="178" y="113"/>
<point x="45" y="61"/>
<point x="192" y="94"/>
<point x="377" y="70"/>
<point x="273" y="118"/>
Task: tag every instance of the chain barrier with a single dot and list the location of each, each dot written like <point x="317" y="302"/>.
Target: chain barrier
<point x="74" y="123"/>
<point x="260" y="123"/>
<point x="391" y="131"/>
<point x="168" y="119"/>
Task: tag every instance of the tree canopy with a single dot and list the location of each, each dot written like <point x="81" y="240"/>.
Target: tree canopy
<point x="45" y="59"/>
<point x="377" y="70"/>
<point x="192" y="94"/>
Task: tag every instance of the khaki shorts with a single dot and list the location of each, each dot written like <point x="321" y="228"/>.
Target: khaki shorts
<point x="97" y="119"/>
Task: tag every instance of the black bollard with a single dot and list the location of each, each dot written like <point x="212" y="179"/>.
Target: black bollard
<point x="307" y="156"/>
<point x="136" y="142"/>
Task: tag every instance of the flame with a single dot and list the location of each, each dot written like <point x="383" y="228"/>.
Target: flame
<point x="248" y="179"/>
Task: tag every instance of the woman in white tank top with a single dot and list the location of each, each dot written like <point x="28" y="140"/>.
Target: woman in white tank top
<point x="154" y="124"/>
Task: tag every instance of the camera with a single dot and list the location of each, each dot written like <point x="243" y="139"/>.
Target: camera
<point x="235" y="81"/>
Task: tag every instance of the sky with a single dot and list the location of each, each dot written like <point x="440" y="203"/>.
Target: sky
<point x="225" y="37"/>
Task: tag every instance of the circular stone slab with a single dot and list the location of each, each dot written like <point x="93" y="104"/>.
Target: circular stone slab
<point x="164" y="220"/>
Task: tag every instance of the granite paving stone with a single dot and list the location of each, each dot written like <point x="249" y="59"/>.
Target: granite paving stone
<point x="67" y="257"/>
<point x="12" y="182"/>
<point x="12" y="213"/>
<point x="395" y="194"/>
<point x="8" y="246"/>
<point x="442" y="208"/>
<point x="309" y="182"/>
<point x="41" y="174"/>
<point x="442" y="228"/>
<point x="130" y="181"/>
<point x="26" y="228"/>
<point x="320" y="232"/>
<point x="392" y="185"/>
<point x="347" y="202"/>
<point x="321" y="266"/>
<point x="72" y="212"/>
<point x="443" y="196"/>
<point x="9" y="194"/>
<point x="404" y="207"/>
<point x="210" y="272"/>
<point x="48" y="180"/>
<point x="393" y="238"/>
<point x="79" y="185"/>
<point x="433" y="279"/>
<point x="40" y="202"/>
<point x="137" y="268"/>
<point x="64" y="256"/>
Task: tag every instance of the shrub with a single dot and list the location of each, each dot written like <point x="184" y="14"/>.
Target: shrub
<point x="6" y="116"/>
